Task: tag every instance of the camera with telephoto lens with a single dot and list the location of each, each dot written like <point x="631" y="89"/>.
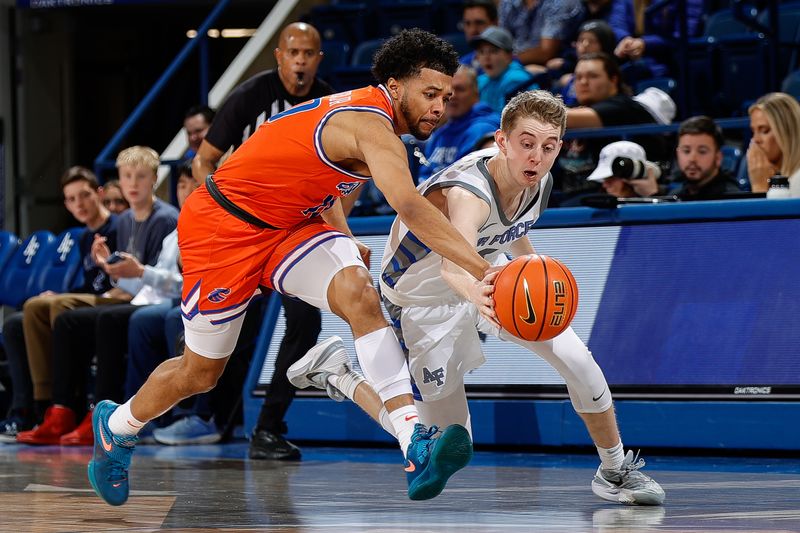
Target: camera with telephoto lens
<point x="629" y="169"/>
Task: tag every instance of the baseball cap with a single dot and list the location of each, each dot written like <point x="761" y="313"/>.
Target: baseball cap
<point x="495" y="35"/>
<point x="613" y="151"/>
<point x="658" y="103"/>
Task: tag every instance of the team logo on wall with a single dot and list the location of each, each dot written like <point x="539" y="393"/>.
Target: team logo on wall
<point x="218" y="295"/>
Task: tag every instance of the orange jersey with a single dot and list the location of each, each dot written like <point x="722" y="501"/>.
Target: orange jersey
<point x="281" y="173"/>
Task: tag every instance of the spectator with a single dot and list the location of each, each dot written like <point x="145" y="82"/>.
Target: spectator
<point x="540" y="27"/>
<point x="593" y="36"/>
<point x="601" y="103"/>
<point x="618" y="14"/>
<point x="626" y="186"/>
<point x="250" y="104"/>
<point x="657" y="45"/>
<point x="699" y="154"/>
<point x="108" y="327"/>
<point x="476" y="17"/>
<point x="141" y="230"/>
<point x="196" y="123"/>
<point x="28" y="334"/>
<point x="113" y="200"/>
<point x="469" y="121"/>
<point x="501" y="72"/>
<point x="775" y="147"/>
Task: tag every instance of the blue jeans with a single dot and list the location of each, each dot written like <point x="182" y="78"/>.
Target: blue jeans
<point x="150" y="342"/>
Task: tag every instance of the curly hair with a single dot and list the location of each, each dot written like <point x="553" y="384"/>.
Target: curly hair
<point x="407" y="53"/>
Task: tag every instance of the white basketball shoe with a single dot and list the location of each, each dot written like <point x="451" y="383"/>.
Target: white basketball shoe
<point x="312" y="370"/>
<point x="627" y="484"/>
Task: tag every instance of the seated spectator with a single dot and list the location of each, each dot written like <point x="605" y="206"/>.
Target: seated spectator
<point x="196" y="123"/>
<point x="501" y="72"/>
<point x="775" y="147"/>
<point x="617" y="181"/>
<point x="602" y="102"/>
<point x="699" y="155"/>
<point x="618" y="14"/>
<point x="593" y="36"/>
<point x="28" y="334"/>
<point x="469" y="121"/>
<point x="112" y="197"/>
<point x="477" y="15"/>
<point x="140" y="233"/>
<point x="540" y="27"/>
<point x="662" y="30"/>
<point x="159" y="286"/>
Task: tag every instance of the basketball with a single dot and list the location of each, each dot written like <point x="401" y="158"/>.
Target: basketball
<point x="535" y="297"/>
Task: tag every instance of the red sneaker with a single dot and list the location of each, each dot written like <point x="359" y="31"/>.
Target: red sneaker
<point x="83" y="435"/>
<point x="58" y="420"/>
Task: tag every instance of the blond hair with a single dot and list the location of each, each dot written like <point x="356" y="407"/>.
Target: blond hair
<point x="543" y="106"/>
<point x="783" y="116"/>
<point x="139" y="156"/>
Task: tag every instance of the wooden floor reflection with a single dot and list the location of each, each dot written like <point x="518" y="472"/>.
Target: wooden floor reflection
<point x="214" y="488"/>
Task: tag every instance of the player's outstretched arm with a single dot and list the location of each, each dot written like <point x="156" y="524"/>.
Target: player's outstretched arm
<point x="386" y="158"/>
<point x="468" y="213"/>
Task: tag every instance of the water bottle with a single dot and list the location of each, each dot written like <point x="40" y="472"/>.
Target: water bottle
<point x="778" y="187"/>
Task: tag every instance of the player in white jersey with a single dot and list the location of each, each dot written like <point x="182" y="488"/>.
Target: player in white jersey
<point x="493" y="197"/>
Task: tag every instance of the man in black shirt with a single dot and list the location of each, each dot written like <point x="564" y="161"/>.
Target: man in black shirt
<point x="699" y="161"/>
<point x="601" y="104"/>
<point x="247" y="107"/>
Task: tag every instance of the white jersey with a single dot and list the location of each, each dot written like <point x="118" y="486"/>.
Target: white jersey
<point x="411" y="272"/>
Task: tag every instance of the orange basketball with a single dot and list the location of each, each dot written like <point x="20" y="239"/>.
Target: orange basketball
<point x="535" y="297"/>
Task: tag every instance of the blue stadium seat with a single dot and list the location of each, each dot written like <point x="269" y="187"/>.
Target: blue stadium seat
<point x="19" y="278"/>
<point x="8" y="244"/>
<point x="788" y="34"/>
<point x="668" y="85"/>
<point x="723" y="23"/>
<point x="791" y="84"/>
<point x="458" y="41"/>
<point x="731" y="157"/>
<point x="62" y="271"/>
<point x="398" y="15"/>
<point x="335" y="54"/>
<point x="343" y="22"/>
<point x="362" y="55"/>
<point x="348" y="78"/>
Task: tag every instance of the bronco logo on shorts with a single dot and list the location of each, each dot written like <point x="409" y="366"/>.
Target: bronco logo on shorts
<point x="218" y="295"/>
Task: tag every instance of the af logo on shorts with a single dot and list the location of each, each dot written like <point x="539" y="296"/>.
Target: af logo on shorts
<point x="218" y="295"/>
<point x="437" y="376"/>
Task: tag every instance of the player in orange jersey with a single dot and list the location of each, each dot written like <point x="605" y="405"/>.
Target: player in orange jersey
<point x="271" y="216"/>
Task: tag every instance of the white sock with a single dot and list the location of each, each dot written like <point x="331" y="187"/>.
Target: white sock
<point x="611" y="458"/>
<point x="383" y="363"/>
<point x="122" y="422"/>
<point x="386" y="422"/>
<point x="346" y="383"/>
<point x="403" y="420"/>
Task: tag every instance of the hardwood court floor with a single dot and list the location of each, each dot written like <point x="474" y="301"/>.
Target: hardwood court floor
<point x="214" y="488"/>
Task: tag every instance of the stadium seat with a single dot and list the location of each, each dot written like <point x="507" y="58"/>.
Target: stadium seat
<point x="344" y="22"/>
<point x="668" y="85"/>
<point x="335" y="54"/>
<point x="450" y="15"/>
<point x="731" y="157"/>
<point x="19" y="278"/>
<point x="791" y="84"/>
<point x="402" y="14"/>
<point x="788" y="34"/>
<point x="61" y="272"/>
<point x="348" y="78"/>
<point x="8" y="244"/>
<point x="724" y="22"/>
<point x="458" y="41"/>
<point x="362" y="55"/>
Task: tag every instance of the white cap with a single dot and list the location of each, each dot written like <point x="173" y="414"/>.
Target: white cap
<point x="611" y="152"/>
<point x="658" y="103"/>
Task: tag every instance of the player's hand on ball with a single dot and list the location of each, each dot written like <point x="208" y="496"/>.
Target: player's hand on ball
<point x="482" y="295"/>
